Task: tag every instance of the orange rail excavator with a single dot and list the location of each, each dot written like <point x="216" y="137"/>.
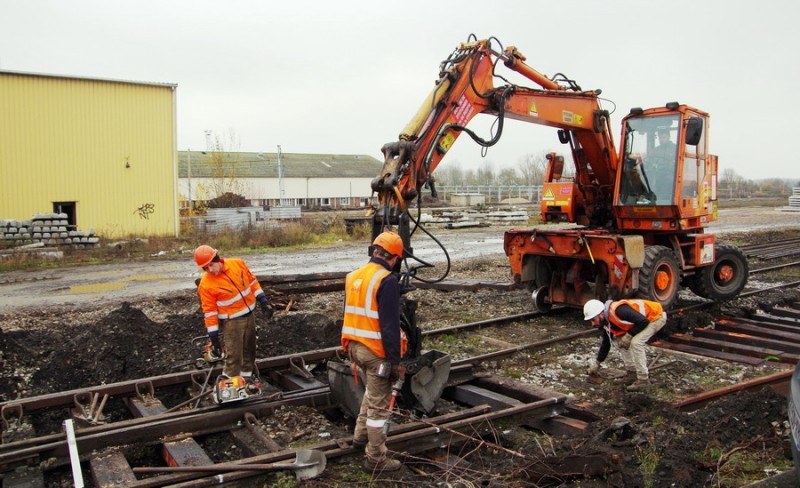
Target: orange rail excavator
<point x="640" y="211"/>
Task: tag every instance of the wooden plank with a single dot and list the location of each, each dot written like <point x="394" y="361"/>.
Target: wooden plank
<point x="525" y="392"/>
<point x="786" y="312"/>
<point x="733" y="347"/>
<point x="185" y="452"/>
<point x="27" y="477"/>
<point x="743" y="338"/>
<point x="772" y="319"/>
<point x="757" y="330"/>
<point x="772" y="325"/>
<point x="110" y="469"/>
<point x="559" y="425"/>
<point x="697" y="401"/>
<point x="473" y="395"/>
<point x="700" y="351"/>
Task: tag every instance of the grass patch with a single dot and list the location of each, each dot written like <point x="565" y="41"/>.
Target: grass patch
<point x="648" y="457"/>
<point x="303" y="233"/>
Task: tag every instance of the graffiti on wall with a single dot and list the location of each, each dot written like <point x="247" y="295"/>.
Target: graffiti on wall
<point x="145" y="211"/>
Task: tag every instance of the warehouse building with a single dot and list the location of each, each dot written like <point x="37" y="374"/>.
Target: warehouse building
<point x="310" y="181"/>
<point x="102" y="152"/>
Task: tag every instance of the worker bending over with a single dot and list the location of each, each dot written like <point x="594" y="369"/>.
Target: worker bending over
<point x="629" y="324"/>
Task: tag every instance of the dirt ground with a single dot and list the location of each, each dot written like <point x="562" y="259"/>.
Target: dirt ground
<point x="741" y="438"/>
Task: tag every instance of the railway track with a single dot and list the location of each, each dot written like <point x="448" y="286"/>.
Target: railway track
<point x="26" y="457"/>
<point x="783" y="248"/>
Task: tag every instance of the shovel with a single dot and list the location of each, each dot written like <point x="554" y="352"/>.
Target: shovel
<point x="308" y="463"/>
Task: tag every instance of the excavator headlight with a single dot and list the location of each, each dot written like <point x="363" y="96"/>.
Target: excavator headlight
<point x="636" y="111"/>
<point x="673" y="105"/>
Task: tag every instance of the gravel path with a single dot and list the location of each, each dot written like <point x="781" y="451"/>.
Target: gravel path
<point x="75" y="286"/>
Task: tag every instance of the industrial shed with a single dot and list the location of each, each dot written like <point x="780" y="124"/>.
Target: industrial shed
<point x="101" y="151"/>
<point x="310" y="181"/>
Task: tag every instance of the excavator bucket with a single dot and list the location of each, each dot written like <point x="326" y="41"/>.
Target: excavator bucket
<point x="425" y="381"/>
<point x="428" y="382"/>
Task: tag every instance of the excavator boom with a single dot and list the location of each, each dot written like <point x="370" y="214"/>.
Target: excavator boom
<point x="641" y="211"/>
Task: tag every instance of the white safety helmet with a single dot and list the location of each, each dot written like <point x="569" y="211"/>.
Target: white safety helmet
<point x="592" y="309"/>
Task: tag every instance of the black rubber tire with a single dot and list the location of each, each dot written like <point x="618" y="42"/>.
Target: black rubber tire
<point x="660" y="276"/>
<point x="725" y="278"/>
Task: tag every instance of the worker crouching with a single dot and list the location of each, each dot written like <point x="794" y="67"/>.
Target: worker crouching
<point x="373" y="339"/>
<point x="628" y="324"/>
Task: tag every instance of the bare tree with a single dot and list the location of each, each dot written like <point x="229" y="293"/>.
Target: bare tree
<point x="532" y="167"/>
<point x="224" y="161"/>
<point x="485" y="174"/>
<point x="508" y="177"/>
<point x="450" y="174"/>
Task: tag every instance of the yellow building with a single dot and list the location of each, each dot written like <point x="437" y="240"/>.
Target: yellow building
<point x="101" y="151"/>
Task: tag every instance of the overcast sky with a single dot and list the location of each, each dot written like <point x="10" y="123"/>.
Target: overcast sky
<point x="346" y="76"/>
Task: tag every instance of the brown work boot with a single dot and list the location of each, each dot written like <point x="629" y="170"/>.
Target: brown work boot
<point x="639" y="385"/>
<point x="627" y="379"/>
<point x="383" y="464"/>
<point x="359" y="444"/>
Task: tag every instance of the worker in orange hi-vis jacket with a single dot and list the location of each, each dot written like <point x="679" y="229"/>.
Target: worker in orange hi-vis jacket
<point x="374" y="340"/>
<point x="228" y="294"/>
<point x="628" y="324"/>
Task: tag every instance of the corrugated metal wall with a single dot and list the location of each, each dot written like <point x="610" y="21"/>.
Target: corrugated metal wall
<point x="108" y="146"/>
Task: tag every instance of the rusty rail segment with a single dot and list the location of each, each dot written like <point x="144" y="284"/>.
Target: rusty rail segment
<point x="772" y="336"/>
<point x="773" y="250"/>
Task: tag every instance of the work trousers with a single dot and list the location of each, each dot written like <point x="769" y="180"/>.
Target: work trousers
<point x="635" y="357"/>
<point x="374" y="411"/>
<point x="239" y="336"/>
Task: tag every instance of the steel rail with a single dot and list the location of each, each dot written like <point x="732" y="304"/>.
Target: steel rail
<point x="431" y="429"/>
<point x="127" y="388"/>
<point x="206" y="420"/>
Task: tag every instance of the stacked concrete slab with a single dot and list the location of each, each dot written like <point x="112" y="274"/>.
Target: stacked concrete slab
<point x="48" y="229"/>
<point x="794" y="201"/>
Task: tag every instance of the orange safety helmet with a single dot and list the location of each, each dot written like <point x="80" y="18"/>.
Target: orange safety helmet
<point x="390" y="242"/>
<point x="203" y="255"/>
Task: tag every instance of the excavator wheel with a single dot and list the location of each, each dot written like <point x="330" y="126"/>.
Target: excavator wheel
<point x="540" y="302"/>
<point x="725" y="278"/>
<point x="660" y="276"/>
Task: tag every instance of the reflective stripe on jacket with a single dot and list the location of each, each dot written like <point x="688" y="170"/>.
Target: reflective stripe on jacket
<point x="361" y="318"/>
<point x="230" y="294"/>
<point x="619" y="327"/>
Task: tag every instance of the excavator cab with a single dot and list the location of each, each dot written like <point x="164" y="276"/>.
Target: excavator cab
<point x="667" y="180"/>
<point x="650" y="161"/>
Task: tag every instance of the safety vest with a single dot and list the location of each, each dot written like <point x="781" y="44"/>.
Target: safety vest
<point x="619" y="327"/>
<point x="361" y="322"/>
<point x="230" y="294"/>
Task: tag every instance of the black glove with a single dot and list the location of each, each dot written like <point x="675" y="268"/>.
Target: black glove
<point x="216" y="346"/>
<point x="267" y="309"/>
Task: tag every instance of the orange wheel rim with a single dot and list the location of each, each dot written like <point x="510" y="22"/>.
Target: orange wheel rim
<point x="725" y="273"/>
<point x="662" y="280"/>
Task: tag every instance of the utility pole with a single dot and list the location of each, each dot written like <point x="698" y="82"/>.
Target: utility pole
<point x="189" y="173"/>
<point x="280" y="176"/>
<point x="208" y="140"/>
